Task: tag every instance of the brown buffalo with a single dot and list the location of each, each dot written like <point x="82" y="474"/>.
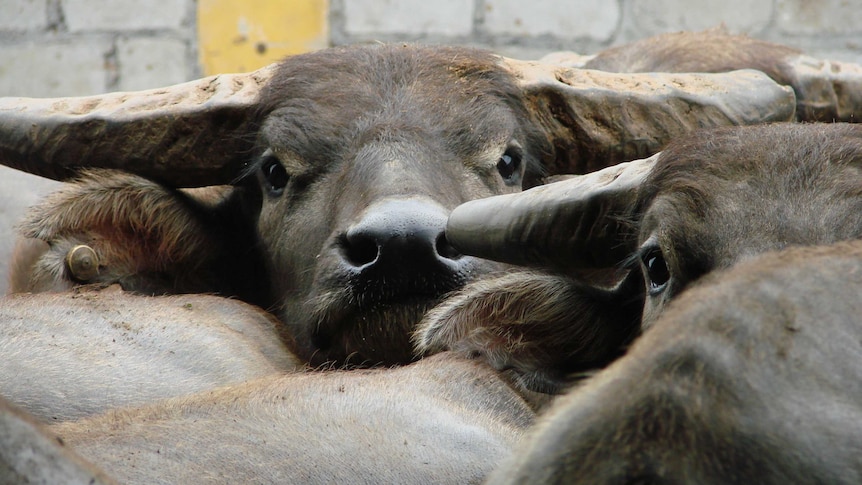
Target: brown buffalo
<point x="749" y="377"/>
<point x="347" y="157"/>
<point x="343" y="166"/>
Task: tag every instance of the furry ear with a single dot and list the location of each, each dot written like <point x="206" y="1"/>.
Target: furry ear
<point x="135" y="232"/>
<point x="542" y="327"/>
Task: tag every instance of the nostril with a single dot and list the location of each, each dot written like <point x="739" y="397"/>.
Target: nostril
<point x="445" y="249"/>
<point x="359" y="249"/>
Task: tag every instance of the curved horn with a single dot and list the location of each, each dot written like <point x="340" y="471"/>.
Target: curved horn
<point x="186" y="135"/>
<point x="595" y="119"/>
<point x="581" y="222"/>
<point x="825" y="90"/>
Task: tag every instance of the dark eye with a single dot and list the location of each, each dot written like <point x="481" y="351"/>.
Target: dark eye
<point x="509" y="166"/>
<point x="274" y="174"/>
<point x="656" y="269"/>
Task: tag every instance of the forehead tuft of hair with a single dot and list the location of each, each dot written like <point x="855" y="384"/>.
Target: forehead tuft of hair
<point x="369" y="70"/>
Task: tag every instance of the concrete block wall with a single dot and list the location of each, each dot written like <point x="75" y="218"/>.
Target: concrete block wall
<point x="530" y="29"/>
<point x="78" y="47"/>
<point x="52" y="48"/>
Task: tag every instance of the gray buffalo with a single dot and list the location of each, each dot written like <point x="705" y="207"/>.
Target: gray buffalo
<point x="439" y="420"/>
<point x="825" y="90"/>
<point x="706" y="202"/>
<point x="29" y="453"/>
<point x="319" y="189"/>
<point x="324" y="182"/>
<point x="752" y="376"/>
<point x="80" y="353"/>
<point x="741" y="280"/>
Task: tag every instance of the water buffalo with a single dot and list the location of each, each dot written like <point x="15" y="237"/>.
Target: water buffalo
<point x="751" y="376"/>
<point x="75" y="354"/>
<point x="704" y="203"/>
<point x="748" y="377"/>
<point x="377" y="142"/>
<point x="440" y="420"/>
<point x="31" y="454"/>
<point x="342" y="166"/>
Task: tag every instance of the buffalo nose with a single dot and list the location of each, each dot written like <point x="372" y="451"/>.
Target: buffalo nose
<point x="399" y="234"/>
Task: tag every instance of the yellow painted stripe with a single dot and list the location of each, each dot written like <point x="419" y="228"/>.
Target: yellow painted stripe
<point x="243" y="35"/>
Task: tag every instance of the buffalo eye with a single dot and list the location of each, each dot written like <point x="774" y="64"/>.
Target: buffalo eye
<point x="656" y="270"/>
<point x="275" y="175"/>
<point x="509" y="166"/>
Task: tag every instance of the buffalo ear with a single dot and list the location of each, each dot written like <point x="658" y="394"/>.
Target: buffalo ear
<point x="187" y="135"/>
<point x="146" y="237"/>
<point x="544" y="329"/>
<point x="582" y="222"/>
<point x="594" y="119"/>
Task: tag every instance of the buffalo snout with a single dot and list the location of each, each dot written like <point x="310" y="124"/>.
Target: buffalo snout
<point x="397" y="250"/>
<point x="381" y="270"/>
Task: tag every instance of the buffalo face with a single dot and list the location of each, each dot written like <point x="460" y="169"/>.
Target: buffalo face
<point x="358" y="173"/>
<point x="720" y="197"/>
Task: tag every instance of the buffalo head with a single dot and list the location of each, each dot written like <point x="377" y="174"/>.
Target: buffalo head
<point x="749" y="376"/>
<point x="710" y="201"/>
